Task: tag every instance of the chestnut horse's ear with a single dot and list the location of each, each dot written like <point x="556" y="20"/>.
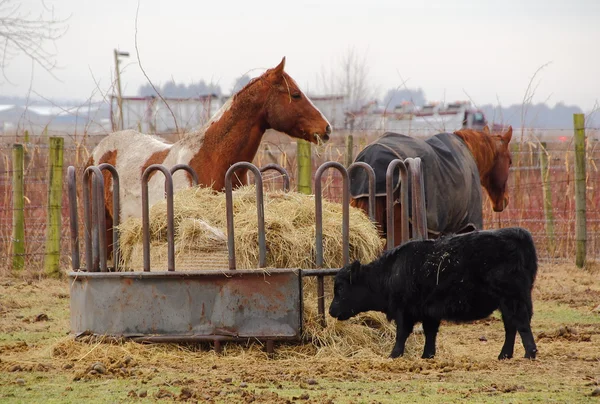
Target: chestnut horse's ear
<point x="279" y="68"/>
<point x="507" y="135"/>
<point x="486" y="130"/>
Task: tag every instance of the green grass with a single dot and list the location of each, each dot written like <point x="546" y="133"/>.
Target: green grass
<point x="548" y="313"/>
<point x="36" y="387"/>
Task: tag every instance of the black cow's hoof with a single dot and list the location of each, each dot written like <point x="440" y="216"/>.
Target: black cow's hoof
<point x="531" y="355"/>
<point x="396" y="354"/>
<point x="504" y="356"/>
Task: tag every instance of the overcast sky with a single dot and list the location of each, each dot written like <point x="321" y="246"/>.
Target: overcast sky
<point x="485" y="50"/>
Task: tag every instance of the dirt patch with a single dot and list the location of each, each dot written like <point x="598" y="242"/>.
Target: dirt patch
<point x="565" y="334"/>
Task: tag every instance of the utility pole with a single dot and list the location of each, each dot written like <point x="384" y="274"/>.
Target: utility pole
<point x="118" y="77"/>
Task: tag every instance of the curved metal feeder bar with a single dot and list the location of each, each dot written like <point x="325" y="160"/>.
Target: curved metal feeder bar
<point x="371" y="175"/>
<point x="94" y="219"/>
<point x="188" y="169"/>
<point x="146" y="216"/>
<point x="73" y="218"/>
<point x="282" y="171"/>
<point x="319" y="226"/>
<point x="419" y="214"/>
<point x="116" y="212"/>
<point x="260" y="211"/>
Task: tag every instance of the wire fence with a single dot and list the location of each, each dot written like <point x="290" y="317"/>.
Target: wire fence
<point x="525" y="187"/>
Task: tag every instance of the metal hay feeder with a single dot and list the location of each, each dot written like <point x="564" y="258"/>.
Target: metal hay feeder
<point x="203" y="305"/>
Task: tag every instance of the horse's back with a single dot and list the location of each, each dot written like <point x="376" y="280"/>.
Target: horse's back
<point x="137" y="145"/>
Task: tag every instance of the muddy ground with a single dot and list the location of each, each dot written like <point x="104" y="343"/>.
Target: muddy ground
<point x="41" y="362"/>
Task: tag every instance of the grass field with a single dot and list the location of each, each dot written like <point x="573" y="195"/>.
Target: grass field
<point x="41" y="362"/>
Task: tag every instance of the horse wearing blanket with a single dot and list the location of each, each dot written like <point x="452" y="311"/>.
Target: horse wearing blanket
<point x="455" y="168"/>
<point x="458" y="278"/>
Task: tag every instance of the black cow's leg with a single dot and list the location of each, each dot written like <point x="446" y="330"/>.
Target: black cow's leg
<point x="528" y="341"/>
<point x="430" y="328"/>
<point x="404" y="326"/>
<point x="518" y="319"/>
<point x="523" y="322"/>
<point x="510" y="332"/>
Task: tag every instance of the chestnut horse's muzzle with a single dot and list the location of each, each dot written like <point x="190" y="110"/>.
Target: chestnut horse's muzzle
<point x="324" y="137"/>
<point x="500" y="208"/>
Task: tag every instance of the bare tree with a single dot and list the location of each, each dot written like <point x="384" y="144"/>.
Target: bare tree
<point x="350" y="78"/>
<point x="34" y="35"/>
<point x="240" y="82"/>
<point x="354" y="80"/>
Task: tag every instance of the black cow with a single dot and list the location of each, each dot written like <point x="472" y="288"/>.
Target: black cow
<point x="458" y="278"/>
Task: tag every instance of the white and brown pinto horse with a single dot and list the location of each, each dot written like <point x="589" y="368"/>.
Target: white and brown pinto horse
<point x="270" y="101"/>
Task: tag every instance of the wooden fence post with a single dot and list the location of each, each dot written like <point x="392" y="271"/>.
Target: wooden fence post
<point x="304" y="157"/>
<point x="53" y="226"/>
<point x="547" y="194"/>
<point x="18" y="233"/>
<point x="349" y="151"/>
<point x="517" y="204"/>
<point x="580" y="198"/>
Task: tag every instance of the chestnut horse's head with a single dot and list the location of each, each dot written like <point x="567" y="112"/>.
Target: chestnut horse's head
<point x="492" y="155"/>
<point x="495" y="181"/>
<point x="290" y="111"/>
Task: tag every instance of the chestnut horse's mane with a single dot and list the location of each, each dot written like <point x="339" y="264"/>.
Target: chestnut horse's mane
<point x="193" y="135"/>
<point x="249" y="84"/>
<point x="261" y="78"/>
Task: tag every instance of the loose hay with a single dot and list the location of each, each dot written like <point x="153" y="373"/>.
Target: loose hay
<point x="367" y="335"/>
<point x="201" y="227"/>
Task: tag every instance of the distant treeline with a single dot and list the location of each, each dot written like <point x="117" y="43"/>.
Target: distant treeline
<point x="535" y="115"/>
<point x="199" y="89"/>
<point x="172" y="89"/>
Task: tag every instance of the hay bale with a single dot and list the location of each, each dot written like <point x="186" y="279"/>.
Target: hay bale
<point x="201" y="226"/>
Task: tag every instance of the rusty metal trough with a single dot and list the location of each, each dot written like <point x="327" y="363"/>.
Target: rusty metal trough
<point x="207" y="305"/>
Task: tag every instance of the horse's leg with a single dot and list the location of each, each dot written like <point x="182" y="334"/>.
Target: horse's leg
<point x="363" y="203"/>
<point x="398" y="225"/>
<point x="381" y="215"/>
<point x="108" y="216"/>
<point x="109" y="236"/>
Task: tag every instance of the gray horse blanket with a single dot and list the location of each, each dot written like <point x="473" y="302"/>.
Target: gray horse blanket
<point x="451" y="178"/>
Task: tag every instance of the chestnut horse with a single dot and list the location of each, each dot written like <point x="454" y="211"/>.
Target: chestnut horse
<point x="270" y="101"/>
<point x="453" y="167"/>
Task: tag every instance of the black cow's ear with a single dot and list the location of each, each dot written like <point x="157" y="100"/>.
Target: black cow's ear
<point x="355" y="266"/>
